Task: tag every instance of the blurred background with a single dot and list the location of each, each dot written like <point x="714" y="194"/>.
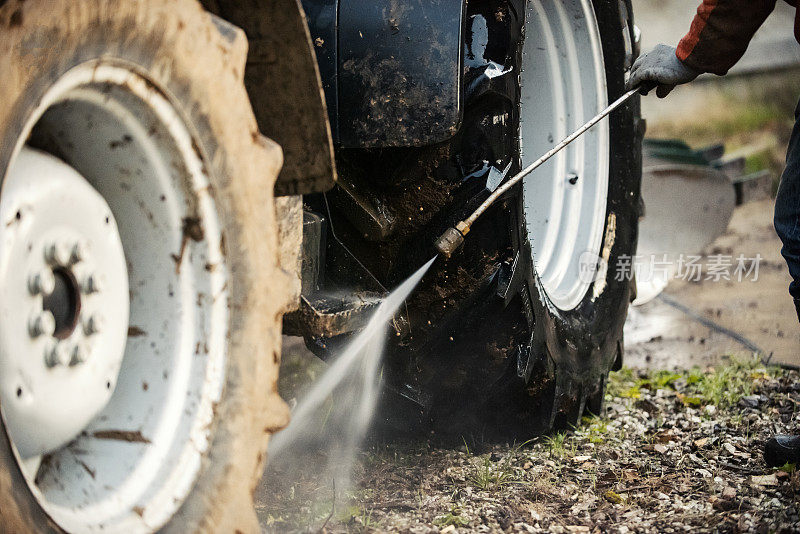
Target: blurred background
<point x="750" y="113"/>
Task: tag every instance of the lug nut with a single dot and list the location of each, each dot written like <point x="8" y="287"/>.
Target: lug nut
<point x="78" y="354"/>
<point x="93" y="325"/>
<point x="91" y="284"/>
<point x="42" y="283"/>
<point x="57" y="354"/>
<point x="58" y="254"/>
<point x="42" y="324"/>
<point x="78" y="252"/>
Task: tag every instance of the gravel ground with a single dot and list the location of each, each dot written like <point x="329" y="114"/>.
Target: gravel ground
<point x="673" y="452"/>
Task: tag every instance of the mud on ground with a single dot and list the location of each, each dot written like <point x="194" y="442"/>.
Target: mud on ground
<point x="753" y="116"/>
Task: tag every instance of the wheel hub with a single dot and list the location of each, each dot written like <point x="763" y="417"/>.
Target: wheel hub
<point x="64" y="314"/>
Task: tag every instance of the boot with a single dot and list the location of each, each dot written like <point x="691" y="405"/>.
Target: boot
<point x="782" y="449"/>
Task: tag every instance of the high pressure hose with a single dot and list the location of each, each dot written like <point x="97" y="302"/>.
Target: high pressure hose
<point x="453" y="238"/>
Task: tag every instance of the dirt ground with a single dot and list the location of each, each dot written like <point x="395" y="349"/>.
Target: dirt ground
<point x="678" y="448"/>
<point x="674" y="451"/>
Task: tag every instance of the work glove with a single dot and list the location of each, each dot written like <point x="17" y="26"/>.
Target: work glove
<point x="660" y="68"/>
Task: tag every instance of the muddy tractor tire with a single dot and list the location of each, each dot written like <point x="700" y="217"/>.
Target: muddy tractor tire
<point x="516" y="333"/>
<point x="140" y="293"/>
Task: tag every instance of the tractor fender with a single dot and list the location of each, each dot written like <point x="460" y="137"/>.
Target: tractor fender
<point x="283" y="83"/>
<point x="391" y="69"/>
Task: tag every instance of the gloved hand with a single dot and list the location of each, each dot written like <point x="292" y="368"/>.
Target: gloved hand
<point x="661" y="68"/>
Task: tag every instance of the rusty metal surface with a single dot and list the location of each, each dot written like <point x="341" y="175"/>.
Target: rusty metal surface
<point x="399" y="72"/>
<point x="283" y="82"/>
<point x="329" y="316"/>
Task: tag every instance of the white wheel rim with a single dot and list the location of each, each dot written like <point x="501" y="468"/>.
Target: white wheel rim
<point x="563" y="85"/>
<point x="61" y="346"/>
<point x="132" y="465"/>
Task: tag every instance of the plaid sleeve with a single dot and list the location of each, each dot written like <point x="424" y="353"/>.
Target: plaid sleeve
<point x="720" y="33"/>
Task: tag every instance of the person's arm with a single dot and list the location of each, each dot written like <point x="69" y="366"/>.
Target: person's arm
<point x="720" y="33"/>
<point x="718" y="38"/>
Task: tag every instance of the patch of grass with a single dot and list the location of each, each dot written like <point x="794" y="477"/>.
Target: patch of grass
<point x="694" y="376"/>
<point x="788" y="468"/>
<point x="659" y="380"/>
<point x="597" y="432"/>
<point x="453" y="517"/>
<point x="721" y="386"/>
<point x="757" y="162"/>
<point x="736" y="119"/>
<point x="491" y="475"/>
<point x="419" y="497"/>
<point x="560" y="444"/>
<point x="359" y="518"/>
<point x="619" y="381"/>
<point x="724" y="386"/>
<point x="633" y="392"/>
<point x="694" y="402"/>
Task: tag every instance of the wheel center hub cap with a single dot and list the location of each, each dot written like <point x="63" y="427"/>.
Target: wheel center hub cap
<point x="65" y="304"/>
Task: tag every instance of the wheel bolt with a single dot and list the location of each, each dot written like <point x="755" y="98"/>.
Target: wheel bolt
<point x="93" y="325"/>
<point x="78" y="354"/>
<point x="57" y="254"/>
<point x="42" y="283"/>
<point x="42" y="324"/>
<point x="58" y="354"/>
<point x="91" y="284"/>
<point x="78" y="252"/>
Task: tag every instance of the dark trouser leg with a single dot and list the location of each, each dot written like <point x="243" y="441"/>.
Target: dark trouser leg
<point x="787" y="211"/>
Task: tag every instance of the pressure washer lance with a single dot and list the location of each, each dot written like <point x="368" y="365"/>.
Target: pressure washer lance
<point x="453" y="238"/>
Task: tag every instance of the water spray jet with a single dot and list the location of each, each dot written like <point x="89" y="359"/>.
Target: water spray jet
<point x="312" y="458"/>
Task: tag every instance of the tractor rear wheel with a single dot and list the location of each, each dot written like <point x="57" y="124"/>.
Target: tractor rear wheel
<point x="516" y="333"/>
<point x="140" y="295"/>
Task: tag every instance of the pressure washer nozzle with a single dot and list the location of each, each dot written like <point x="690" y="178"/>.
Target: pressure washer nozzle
<point x="449" y="242"/>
